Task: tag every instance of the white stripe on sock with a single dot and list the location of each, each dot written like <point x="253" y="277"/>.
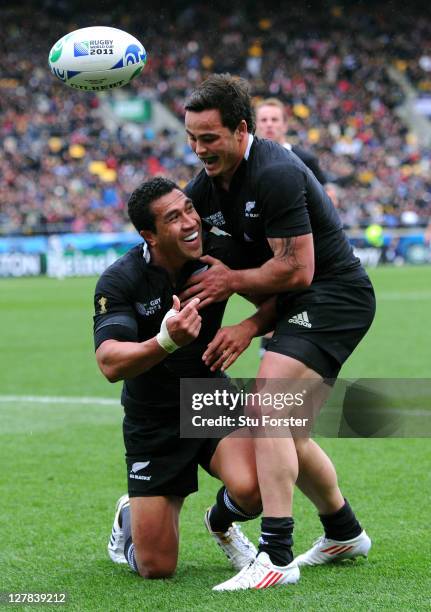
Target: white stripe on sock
<point x="131" y="558"/>
<point x="229" y="505"/>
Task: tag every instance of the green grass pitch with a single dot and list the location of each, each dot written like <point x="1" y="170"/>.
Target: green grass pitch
<point x="62" y="468"/>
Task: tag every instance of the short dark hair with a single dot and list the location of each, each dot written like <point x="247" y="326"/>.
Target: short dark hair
<point x="227" y="94"/>
<point x="139" y="204"/>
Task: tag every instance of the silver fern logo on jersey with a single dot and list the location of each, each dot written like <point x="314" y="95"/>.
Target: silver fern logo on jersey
<point x="249" y="207"/>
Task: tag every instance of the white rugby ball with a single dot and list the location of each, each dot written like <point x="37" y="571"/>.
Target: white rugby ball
<point x="97" y="58"/>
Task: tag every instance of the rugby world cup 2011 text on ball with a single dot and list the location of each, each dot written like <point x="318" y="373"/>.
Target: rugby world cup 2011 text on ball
<point x="97" y="58"/>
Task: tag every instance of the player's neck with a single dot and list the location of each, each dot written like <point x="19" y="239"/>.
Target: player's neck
<point x="172" y="267"/>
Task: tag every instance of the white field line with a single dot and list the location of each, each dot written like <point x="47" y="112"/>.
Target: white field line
<point x="45" y="399"/>
<point x="105" y="401"/>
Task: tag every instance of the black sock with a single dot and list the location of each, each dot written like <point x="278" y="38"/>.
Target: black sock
<point x="276" y="539"/>
<point x="129" y="547"/>
<point x="342" y="525"/>
<point x="225" y="511"/>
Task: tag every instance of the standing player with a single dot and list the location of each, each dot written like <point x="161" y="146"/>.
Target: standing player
<point x="271" y="123"/>
<point x="143" y="338"/>
<point x="274" y="207"/>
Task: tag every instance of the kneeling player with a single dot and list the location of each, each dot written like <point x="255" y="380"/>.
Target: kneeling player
<point x="142" y="337"/>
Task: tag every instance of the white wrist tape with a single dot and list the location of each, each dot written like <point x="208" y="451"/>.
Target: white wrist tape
<point x="163" y="337"/>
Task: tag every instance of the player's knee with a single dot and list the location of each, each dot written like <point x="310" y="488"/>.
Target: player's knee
<point x="154" y="561"/>
<point x="245" y="492"/>
<point x="153" y="565"/>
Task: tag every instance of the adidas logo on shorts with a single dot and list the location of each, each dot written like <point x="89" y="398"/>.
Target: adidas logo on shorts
<point x="301" y="319"/>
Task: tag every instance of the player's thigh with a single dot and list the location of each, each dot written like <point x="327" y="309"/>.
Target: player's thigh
<point x="234" y="463"/>
<point x="276" y="365"/>
<point x="300" y="390"/>
<point x="155" y="531"/>
<point x="321" y="328"/>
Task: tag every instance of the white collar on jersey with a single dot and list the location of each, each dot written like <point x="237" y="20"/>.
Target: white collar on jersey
<point x="146" y="252"/>
<point x="287" y="146"/>
<point x="250" y="142"/>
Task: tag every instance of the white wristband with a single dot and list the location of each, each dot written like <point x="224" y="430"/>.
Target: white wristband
<point x="163" y="337"/>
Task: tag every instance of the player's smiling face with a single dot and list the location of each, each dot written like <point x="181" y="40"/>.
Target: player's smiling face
<point x="270" y="123"/>
<point x="178" y="235"/>
<point x="220" y="150"/>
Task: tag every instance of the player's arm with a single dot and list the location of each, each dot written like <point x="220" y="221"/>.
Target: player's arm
<point x="291" y="268"/>
<point x="118" y="359"/>
<point x="281" y="190"/>
<point x="231" y="341"/>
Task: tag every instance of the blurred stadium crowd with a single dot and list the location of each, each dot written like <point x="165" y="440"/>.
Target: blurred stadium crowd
<point x="62" y="169"/>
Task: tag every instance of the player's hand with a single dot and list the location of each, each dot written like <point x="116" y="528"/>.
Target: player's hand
<point x="213" y="285"/>
<point x="185" y="326"/>
<point x="227" y="345"/>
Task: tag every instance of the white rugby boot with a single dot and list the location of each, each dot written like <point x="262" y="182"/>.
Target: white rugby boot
<point x="234" y="543"/>
<point x="261" y="574"/>
<point x="116" y="541"/>
<point x="325" y="550"/>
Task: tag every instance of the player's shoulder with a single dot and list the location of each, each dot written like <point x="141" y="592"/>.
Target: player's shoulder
<point x="266" y="151"/>
<point x="311" y="161"/>
<point x="304" y="154"/>
<point x="125" y="272"/>
<point x="268" y="155"/>
<point x="216" y="242"/>
<point x="273" y="165"/>
<point x="221" y="245"/>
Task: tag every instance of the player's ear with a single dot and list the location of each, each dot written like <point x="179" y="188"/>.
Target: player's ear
<point x="149" y="237"/>
<point x="242" y="128"/>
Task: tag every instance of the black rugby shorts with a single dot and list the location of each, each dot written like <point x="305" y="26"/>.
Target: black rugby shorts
<point x="159" y="462"/>
<point x="322" y="325"/>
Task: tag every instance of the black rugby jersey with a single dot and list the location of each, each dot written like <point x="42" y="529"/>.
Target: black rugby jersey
<point x="131" y="298"/>
<point x="309" y="160"/>
<point x="274" y="195"/>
